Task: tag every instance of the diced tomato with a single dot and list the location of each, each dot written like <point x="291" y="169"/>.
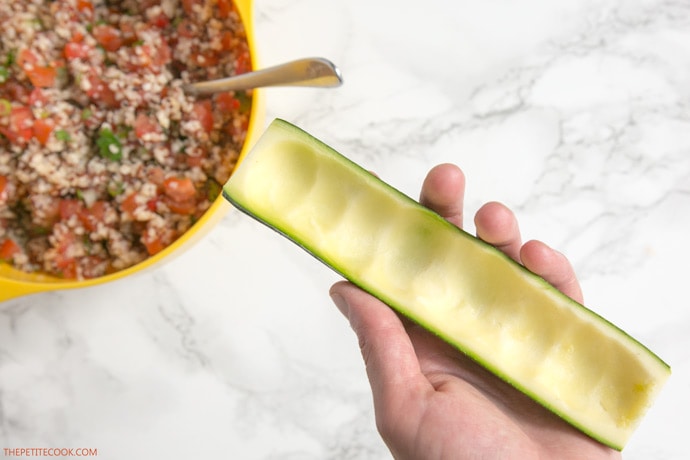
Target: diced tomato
<point x="42" y="129"/>
<point x="37" y="98"/>
<point x="226" y="102"/>
<point x="206" y="58"/>
<point x="153" y="245"/>
<point x="243" y="63"/>
<point x="3" y="188"/>
<point x="70" y="207"/>
<point x="179" y="189"/>
<point x="89" y="221"/>
<point x="224" y="8"/>
<point x="160" y="20"/>
<point x="68" y="268"/>
<point x="186" y="208"/>
<point x="156" y="176"/>
<point x="149" y="57"/>
<point x="108" y="37"/>
<point x="39" y="75"/>
<point x="203" y="112"/>
<point x="42" y="77"/>
<point x="75" y="50"/>
<point x="180" y="195"/>
<point x="64" y="259"/>
<point x="227" y="40"/>
<point x="8" y="249"/>
<point x="20" y="128"/>
<point x="129" y="35"/>
<point x="26" y="59"/>
<point x="193" y="160"/>
<point x="98" y="209"/>
<point x="100" y="93"/>
<point x="48" y="213"/>
<point x="233" y="130"/>
<point x="163" y="55"/>
<point x="144" y="125"/>
<point x="189" y="6"/>
<point x="153" y="242"/>
<point x="129" y="204"/>
<point x="91" y="217"/>
<point x="85" y="7"/>
<point x="186" y="28"/>
<point x="15" y="91"/>
<point x="152" y="204"/>
<point x="21" y="119"/>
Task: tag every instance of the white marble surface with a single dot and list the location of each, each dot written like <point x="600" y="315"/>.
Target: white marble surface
<point x="575" y="113"/>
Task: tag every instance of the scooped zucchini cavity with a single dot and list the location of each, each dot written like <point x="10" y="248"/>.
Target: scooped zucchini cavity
<point x="560" y="353"/>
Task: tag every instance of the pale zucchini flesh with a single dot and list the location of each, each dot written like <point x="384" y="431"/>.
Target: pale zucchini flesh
<point x="561" y="354"/>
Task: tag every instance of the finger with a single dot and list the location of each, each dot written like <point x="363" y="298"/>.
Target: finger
<point x="389" y="356"/>
<point x="443" y="191"/>
<point x="553" y="266"/>
<point x="497" y="225"/>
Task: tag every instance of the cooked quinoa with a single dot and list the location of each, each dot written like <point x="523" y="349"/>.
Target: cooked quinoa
<point x="104" y="161"/>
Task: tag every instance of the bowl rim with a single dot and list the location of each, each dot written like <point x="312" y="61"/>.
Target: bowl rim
<point x="15" y="283"/>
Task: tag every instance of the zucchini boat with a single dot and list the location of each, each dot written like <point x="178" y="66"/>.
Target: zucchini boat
<point x="558" y="352"/>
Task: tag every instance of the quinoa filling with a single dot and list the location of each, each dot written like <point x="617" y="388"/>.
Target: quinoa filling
<point x="104" y="160"/>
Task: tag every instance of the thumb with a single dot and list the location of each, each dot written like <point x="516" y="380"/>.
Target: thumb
<point x="388" y="353"/>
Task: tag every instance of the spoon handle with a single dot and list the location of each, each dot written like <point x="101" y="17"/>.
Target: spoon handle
<point x="316" y="72"/>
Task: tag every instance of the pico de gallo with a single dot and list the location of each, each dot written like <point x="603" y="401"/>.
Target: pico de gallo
<point x="104" y="160"/>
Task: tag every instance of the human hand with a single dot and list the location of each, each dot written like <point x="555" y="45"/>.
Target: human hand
<point x="431" y="401"/>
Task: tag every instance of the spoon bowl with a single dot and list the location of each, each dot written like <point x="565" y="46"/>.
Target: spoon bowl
<point x="313" y="72"/>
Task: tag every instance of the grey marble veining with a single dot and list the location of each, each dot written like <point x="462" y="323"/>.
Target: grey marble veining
<point x="574" y="113"/>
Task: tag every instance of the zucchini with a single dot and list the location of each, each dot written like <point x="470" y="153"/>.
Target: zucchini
<point x="558" y="352"/>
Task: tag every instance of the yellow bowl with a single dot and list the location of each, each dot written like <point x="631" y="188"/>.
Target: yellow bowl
<point x="15" y="283"/>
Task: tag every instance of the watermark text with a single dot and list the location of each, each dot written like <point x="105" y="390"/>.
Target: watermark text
<point x="49" y="452"/>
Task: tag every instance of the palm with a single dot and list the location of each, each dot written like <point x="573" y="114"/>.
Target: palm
<point x="469" y="407"/>
<point x="431" y="401"/>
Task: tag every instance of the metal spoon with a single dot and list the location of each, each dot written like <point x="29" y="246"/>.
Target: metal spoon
<point x="315" y="72"/>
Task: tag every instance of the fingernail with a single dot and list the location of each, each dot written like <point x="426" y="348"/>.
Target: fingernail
<point x="341" y="303"/>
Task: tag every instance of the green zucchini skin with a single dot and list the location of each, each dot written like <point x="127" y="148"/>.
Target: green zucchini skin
<point x="652" y="364"/>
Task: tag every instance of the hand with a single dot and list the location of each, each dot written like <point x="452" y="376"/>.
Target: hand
<point x="431" y="402"/>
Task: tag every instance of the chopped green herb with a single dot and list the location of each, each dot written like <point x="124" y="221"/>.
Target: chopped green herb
<point x="62" y="135"/>
<point x="11" y="57"/>
<point x="89" y="27"/>
<point x="123" y="131"/>
<point x="109" y="146"/>
<point x="213" y="190"/>
<point x="4" y="74"/>
<point x="86" y="114"/>
<point x="38" y="230"/>
<point x="62" y="75"/>
<point x="245" y="101"/>
<point x="88" y="243"/>
<point x="5" y="107"/>
<point x="115" y="189"/>
<point x="80" y="195"/>
<point x="35" y="23"/>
